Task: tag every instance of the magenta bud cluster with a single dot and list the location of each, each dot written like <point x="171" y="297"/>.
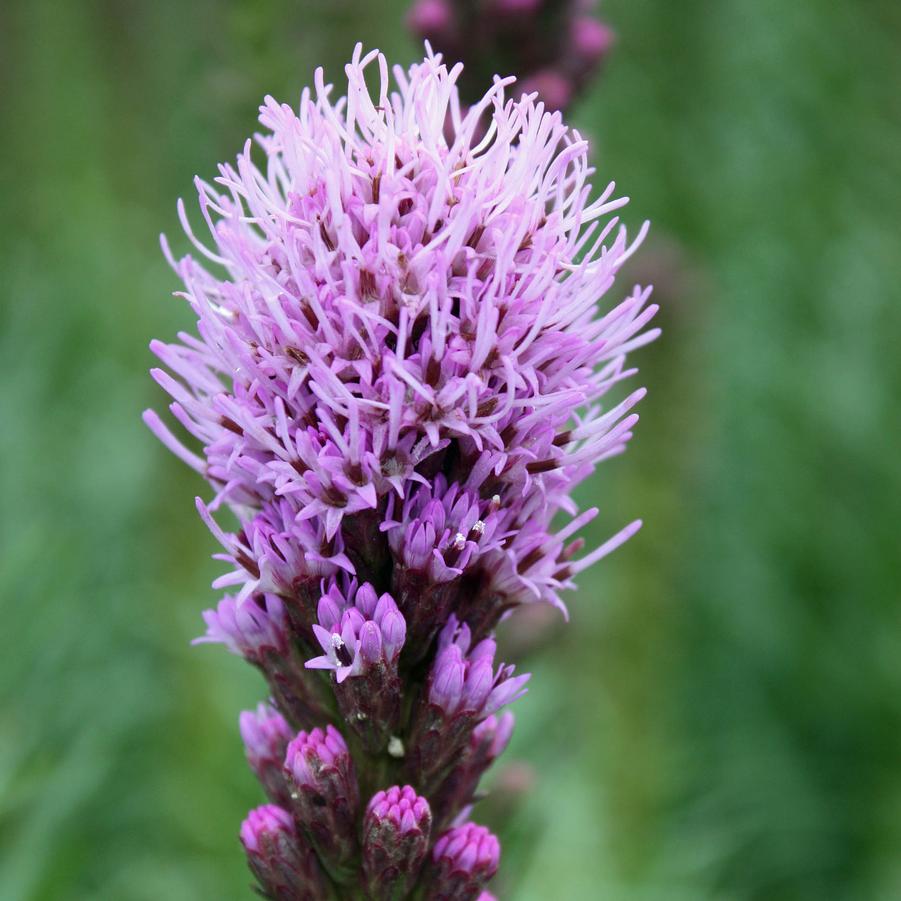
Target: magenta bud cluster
<point x="397" y="830"/>
<point x="399" y="374"/>
<point x="280" y="857"/>
<point x="554" y="46"/>
<point x="357" y="631"/>
<point x="464" y="680"/>
<point x="266" y="735"/>
<point x="325" y="795"/>
<point x="464" y="860"/>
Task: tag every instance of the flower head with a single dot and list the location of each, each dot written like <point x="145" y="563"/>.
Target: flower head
<point x="249" y="629"/>
<point x="385" y="301"/>
<point x="399" y="375"/>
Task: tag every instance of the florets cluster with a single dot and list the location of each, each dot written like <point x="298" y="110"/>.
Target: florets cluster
<point x="397" y="381"/>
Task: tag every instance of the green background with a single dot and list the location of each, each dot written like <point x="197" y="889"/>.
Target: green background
<point x="722" y="717"/>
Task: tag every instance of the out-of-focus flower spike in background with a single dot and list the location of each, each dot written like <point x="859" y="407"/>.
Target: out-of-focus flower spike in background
<point x="721" y="720"/>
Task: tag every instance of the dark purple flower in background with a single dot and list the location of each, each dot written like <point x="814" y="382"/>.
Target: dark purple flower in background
<point x="553" y="46"/>
<point x="400" y="375"/>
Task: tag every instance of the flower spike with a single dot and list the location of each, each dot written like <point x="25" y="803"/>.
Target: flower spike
<point x="400" y="373"/>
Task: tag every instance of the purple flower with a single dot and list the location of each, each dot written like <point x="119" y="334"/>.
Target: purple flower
<point x="399" y="376"/>
<point x="251" y="629"/>
<point x="325" y="795"/>
<point x="362" y="635"/>
<point x="442" y="530"/>
<point x="266" y="735"/>
<point x="284" y="865"/>
<point x="465" y="680"/>
<point x="554" y="46"/>
<point x="396" y="832"/>
<point x="464" y="859"/>
<point x="357" y="631"/>
<point x="501" y="257"/>
<point x="464" y="687"/>
<point x="437" y="536"/>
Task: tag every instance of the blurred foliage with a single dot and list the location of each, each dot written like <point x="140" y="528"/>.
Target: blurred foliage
<point x="720" y="721"/>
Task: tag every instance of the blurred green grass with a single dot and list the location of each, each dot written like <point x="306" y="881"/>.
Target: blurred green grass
<point x="720" y="720"/>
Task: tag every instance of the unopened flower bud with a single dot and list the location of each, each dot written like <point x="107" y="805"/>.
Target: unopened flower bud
<point x="282" y="861"/>
<point x="464" y="859"/>
<point x="554" y="89"/>
<point x="591" y="39"/>
<point x="396" y="832"/>
<point x="266" y="735"/>
<point x="430" y="17"/>
<point x="324" y="794"/>
<point x="253" y="628"/>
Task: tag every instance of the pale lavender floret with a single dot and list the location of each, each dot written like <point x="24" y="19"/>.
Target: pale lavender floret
<point x="275" y="551"/>
<point x="249" y="630"/>
<point x="442" y="529"/>
<point x="357" y="629"/>
<point x="465" y="680"/>
<point x="493" y="735"/>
